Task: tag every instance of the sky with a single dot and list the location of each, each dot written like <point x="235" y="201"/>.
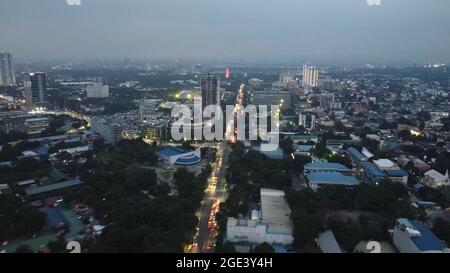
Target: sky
<point x="402" y="31"/>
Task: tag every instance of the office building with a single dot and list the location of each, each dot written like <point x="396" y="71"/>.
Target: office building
<point x="22" y="122"/>
<point x="7" y="71"/>
<point x="35" y="85"/>
<point x="97" y="90"/>
<point x="307" y="120"/>
<point x="287" y="79"/>
<point x="210" y="91"/>
<point x="107" y="128"/>
<point x="310" y="76"/>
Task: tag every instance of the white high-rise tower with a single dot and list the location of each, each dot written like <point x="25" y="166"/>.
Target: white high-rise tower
<point x="310" y="75"/>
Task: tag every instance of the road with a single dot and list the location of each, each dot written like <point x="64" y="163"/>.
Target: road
<point x="216" y="192"/>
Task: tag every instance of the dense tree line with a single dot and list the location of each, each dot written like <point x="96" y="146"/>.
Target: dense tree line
<point x="310" y="212"/>
<point x="17" y="219"/>
<point x="137" y="209"/>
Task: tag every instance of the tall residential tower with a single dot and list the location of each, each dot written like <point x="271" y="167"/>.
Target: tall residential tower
<point x="7" y="73"/>
<point x="35" y="89"/>
<point x="210" y="91"/>
<point x="310" y="75"/>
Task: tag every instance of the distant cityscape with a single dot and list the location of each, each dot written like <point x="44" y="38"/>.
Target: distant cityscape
<point x="87" y="156"/>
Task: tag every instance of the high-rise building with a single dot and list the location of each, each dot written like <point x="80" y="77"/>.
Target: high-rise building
<point x="35" y="89"/>
<point x="310" y="75"/>
<point x="227" y="72"/>
<point x="307" y="120"/>
<point x="287" y="79"/>
<point x="210" y="91"/>
<point x="7" y="73"/>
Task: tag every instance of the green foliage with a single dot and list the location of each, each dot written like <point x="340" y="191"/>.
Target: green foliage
<point x="308" y="215"/>
<point x="264" y="248"/>
<point x="441" y="229"/>
<point x="227" y="247"/>
<point x="321" y="151"/>
<point x="18" y="219"/>
<point x="23" y="249"/>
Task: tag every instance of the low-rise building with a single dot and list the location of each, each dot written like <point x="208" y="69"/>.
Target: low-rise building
<point x="372" y="173"/>
<point x="410" y="236"/>
<point x="274" y="226"/>
<point x="325" y="167"/>
<point x="435" y="179"/>
<point x="319" y="179"/>
<point x="180" y="156"/>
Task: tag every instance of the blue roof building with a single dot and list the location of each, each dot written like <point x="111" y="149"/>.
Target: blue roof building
<point x="180" y="156"/>
<point x="54" y="218"/>
<point x="326" y="167"/>
<point x="356" y="155"/>
<point x="410" y="236"/>
<point x="372" y="173"/>
<point x="318" y="179"/>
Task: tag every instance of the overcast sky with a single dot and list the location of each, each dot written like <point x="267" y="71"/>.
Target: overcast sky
<point x="303" y="30"/>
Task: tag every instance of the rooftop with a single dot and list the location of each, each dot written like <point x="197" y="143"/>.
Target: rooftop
<point x="327" y="166"/>
<point x="421" y="236"/>
<point x="373" y="169"/>
<point x="332" y="178"/>
<point x="52" y="187"/>
<point x="384" y="163"/>
<point x="354" y="152"/>
<point x="275" y="211"/>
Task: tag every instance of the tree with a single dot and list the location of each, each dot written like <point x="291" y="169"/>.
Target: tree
<point x="286" y="146"/>
<point x="18" y="219"/>
<point x="264" y="248"/>
<point x="24" y="249"/>
<point x="441" y="229"/>
<point x="227" y="247"/>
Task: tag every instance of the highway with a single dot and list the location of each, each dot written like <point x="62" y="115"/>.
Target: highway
<point x="216" y="192"/>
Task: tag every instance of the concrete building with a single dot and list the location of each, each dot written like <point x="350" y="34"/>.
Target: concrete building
<point x="156" y="130"/>
<point x="210" y="91"/>
<point x="410" y="236"/>
<point x="273" y="225"/>
<point x="22" y="122"/>
<point x="7" y="71"/>
<point x="35" y="85"/>
<point x="435" y="179"/>
<point x="36" y="125"/>
<point x="287" y="79"/>
<point x="307" y="120"/>
<point x="97" y="90"/>
<point x="310" y="76"/>
<point x="319" y="179"/>
<point x="107" y="128"/>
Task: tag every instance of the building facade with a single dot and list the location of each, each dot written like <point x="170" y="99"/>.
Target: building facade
<point x="35" y="85"/>
<point x="310" y="76"/>
<point x="7" y="71"/>
<point x="210" y="91"/>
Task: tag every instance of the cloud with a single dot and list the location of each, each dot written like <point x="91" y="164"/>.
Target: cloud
<point x="374" y="2"/>
<point x="73" y="2"/>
